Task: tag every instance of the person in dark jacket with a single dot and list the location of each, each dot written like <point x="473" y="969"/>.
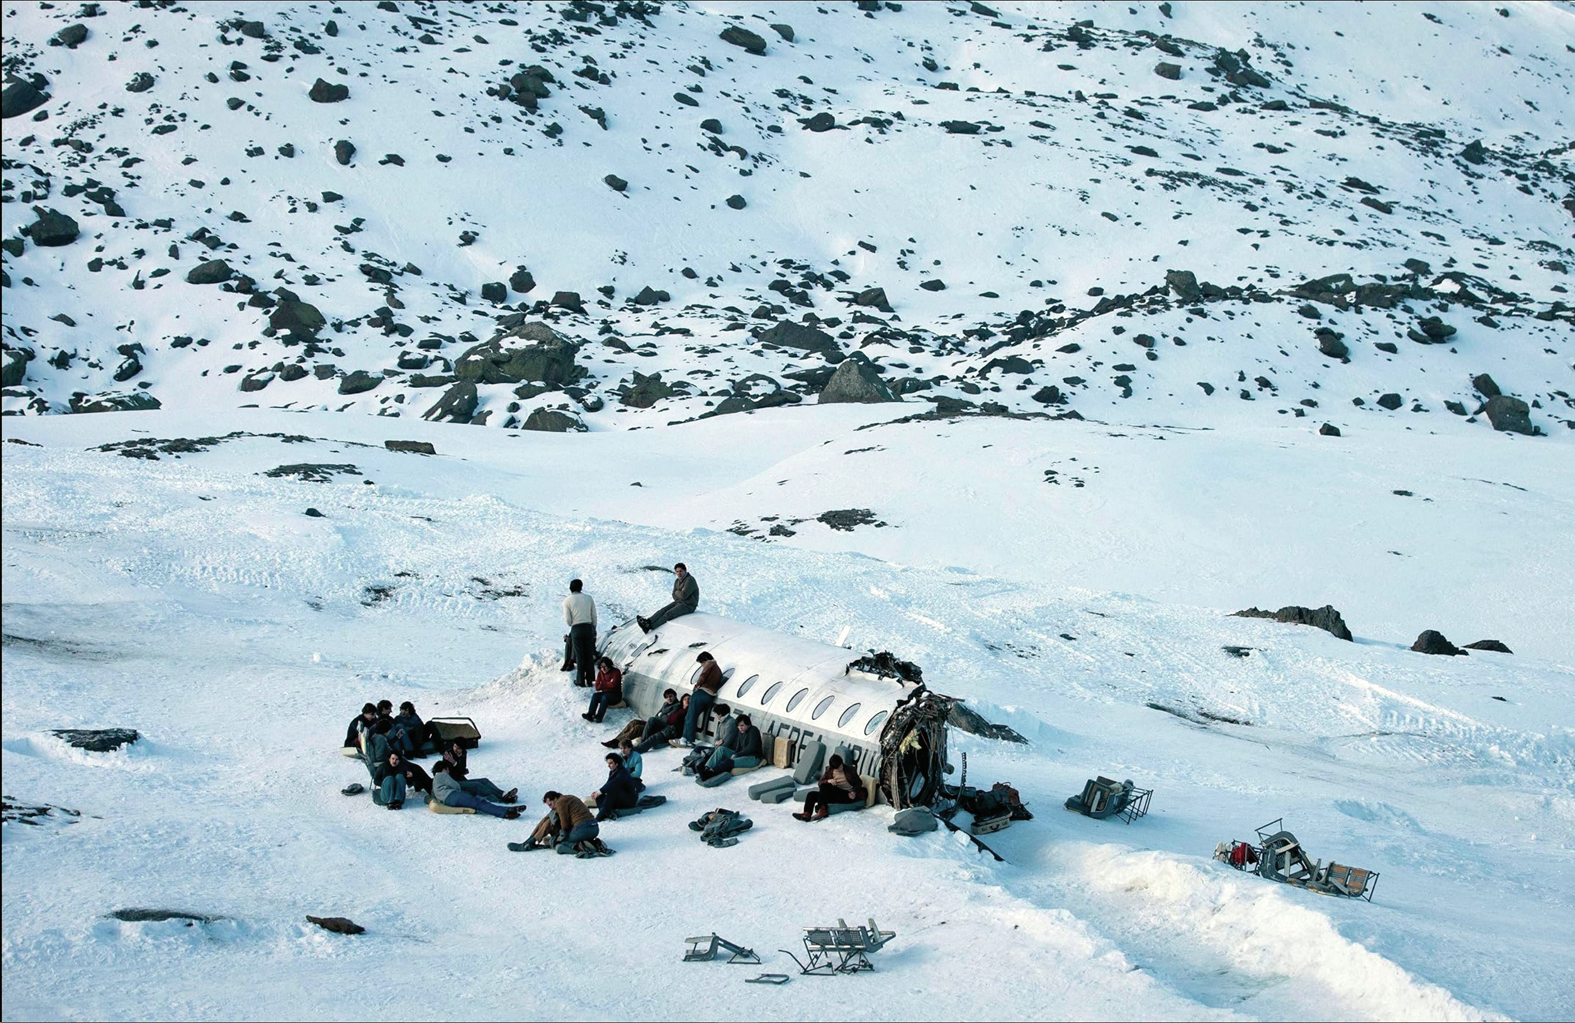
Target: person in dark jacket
<point x="455" y="754"/>
<point x="662" y="730"/>
<point x="686" y="597"/>
<point x="706" y="687"/>
<point x="388" y="783"/>
<point x="742" y="747"/>
<point x="360" y="725"/>
<point x="446" y="790"/>
<point x="410" y="733"/>
<point x="618" y="792"/>
<point x="416" y="777"/>
<point x="839" y="784"/>
<point x="609" y="689"/>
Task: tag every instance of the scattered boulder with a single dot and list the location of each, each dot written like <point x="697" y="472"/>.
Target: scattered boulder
<point x="20" y="97"/>
<point x="549" y="361"/>
<point x="52" y="228"/>
<point x="135" y="401"/>
<point x="1328" y="430"/>
<point x="328" y="92"/>
<point x="1050" y="395"/>
<point x="820" y="122"/>
<point x="1430" y="330"/>
<point x="789" y="334"/>
<point x="336" y="924"/>
<point x="297" y="319"/>
<point x="414" y="447"/>
<point x="736" y="202"/>
<point x="1390" y="401"/>
<point x="785" y="31"/>
<point x="569" y="300"/>
<point x="97" y="740"/>
<point x="960" y="127"/>
<point x="855" y="381"/>
<point x="494" y="291"/>
<point x="1485" y="386"/>
<point x="1433" y="642"/>
<point x="140" y="82"/>
<point x="845" y="519"/>
<point x="711" y="125"/>
<point x="1331" y="345"/>
<point x="359" y="382"/>
<point x="522" y="281"/>
<point x="1489" y="644"/>
<point x="548" y="420"/>
<point x="212" y="271"/>
<point x="1184" y="284"/>
<point x="1165" y="69"/>
<point x="15" y="366"/>
<point x="645" y="391"/>
<point x="458" y="404"/>
<point x="70" y="37"/>
<point x="1325" y="618"/>
<point x="158" y="916"/>
<point x="650" y="296"/>
<point x="873" y="298"/>
<point x="616" y="183"/>
<point x="1509" y="415"/>
<point x="746" y="39"/>
<point x="344" y="152"/>
<point x="933" y="284"/>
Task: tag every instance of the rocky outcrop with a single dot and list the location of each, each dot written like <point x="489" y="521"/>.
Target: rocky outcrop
<point x="1325" y="618"/>
<point x="546" y="420"/>
<point x="548" y="360"/>
<point x="801" y="336"/>
<point x="1432" y="641"/>
<point x="645" y="391"/>
<point x="458" y="404"/>
<point x="855" y="381"/>
<point x="135" y="401"/>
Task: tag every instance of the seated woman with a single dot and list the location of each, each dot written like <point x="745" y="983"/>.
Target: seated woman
<point x="667" y="728"/>
<point x="446" y="790"/>
<point x="609" y="689"/>
<point x="617" y="792"/>
<point x="632" y="762"/>
<point x="840" y="784"/>
<point x="411" y="735"/>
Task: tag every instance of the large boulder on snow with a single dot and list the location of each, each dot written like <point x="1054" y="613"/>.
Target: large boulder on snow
<point x="548" y="420"/>
<point x="1325" y="618"/>
<point x="52" y="228"/>
<point x="1431" y="641"/>
<point x="136" y="401"/>
<point x="855" y="381"/>
<point x="295" y="318"/>
<point x="548" y="358"/>
<point x="20" y="97"/>
<point x="645" y="391"/>
<point x="798" y="335"/>
<point x="457" y="405"/>
<point x="1510" y="415"/>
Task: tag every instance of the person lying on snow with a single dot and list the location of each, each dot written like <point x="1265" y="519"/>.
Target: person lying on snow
<point x="632" y="762"/>
<point x="840" y="784"/>
<point x="639" y="729"/>
<point x="481" y="787"/>
<point x="360" y="725"/>
<point x="633" y="731"/>
<point x="661" y="730"/>
<point x="448" y="790"/>
<point x="686" y="597"/>
<point x="411" y="735"/>
<point x="609" y="690"/>
<point x="741" y="747"/>
<point x="706" y="687"/>
<point x="618" y="792"/>
<point x="577" y="830"/>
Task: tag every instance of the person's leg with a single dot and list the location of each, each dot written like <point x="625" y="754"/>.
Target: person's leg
<point x="699" y="703"/>
<point x="664" y="614"/>
<point x="584" y="639"/>
<point x="477" y="804"/>
<point x="598" y="707"/>
<point x="482" y="787"/>
<point x="717" y="757"/>
<point x="746" y="762"/>
<point x="652" y="725"/>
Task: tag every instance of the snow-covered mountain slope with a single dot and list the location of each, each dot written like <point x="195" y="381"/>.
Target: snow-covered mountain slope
<point x="1029" y="163"/>
<point x="189" y="596"/>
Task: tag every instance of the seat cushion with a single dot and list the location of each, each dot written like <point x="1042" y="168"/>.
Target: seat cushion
<point x="437" y="807"/>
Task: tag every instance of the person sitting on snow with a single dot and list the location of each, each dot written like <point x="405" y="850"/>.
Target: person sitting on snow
<point x="667" y="728"/>
<point x="632" y="762"/>
<point x="686" y="597"/>
<point x="355" y="734"/>
<point x="410" y="733"/>
<point x="609" y="689"/>
<point x="839" y="784"/>
<point x="576" y="826"/>
<point x="618" y="792"/>
<point x="415" y="775"/>
<point x="447" y="790"/>
<point x="741" y="748"/>
<point x="388" y="784"/>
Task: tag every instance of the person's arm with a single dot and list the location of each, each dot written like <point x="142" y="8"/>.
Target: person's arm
<point x="562" y="806"/>
<point x="568" y="615"/>
<point x="690" y="593"/>
<point x="592" y="602"/>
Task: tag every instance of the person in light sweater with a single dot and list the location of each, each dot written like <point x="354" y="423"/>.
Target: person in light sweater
<point x="579" y="613"/>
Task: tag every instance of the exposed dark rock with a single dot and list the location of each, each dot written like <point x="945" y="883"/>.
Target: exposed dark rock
<point x="494" y="291"/>
<point x="711" y="125"/>
<point x="549" y="361"/>
<point x="1485" y="386"/>
<point x="312" y="513"/>
<point x="1474" y="153"/>
<point x="785" y="31"/>
<point x="1328" y="430"/>
<point x="414" y="447"/>
<point x="736" y="202"/>
<point x="328" y="92"/>
<point x="650" y="296"/>
<point x="1325" y="618"/>
<point x="1050" y="395"/>
<point x="70" y="37"/>
<point x="855" y="381"/>
<point x="158" y="916"/>
<point x="136" y="401"/>
<point x="140" y="82"/>
<point x="873" y="298"/>
<point x="20" y="97"/>
<point x="548" y="420"/>
<point x="52" y="228"/>
<point x="822" y="121"/>
<point x="313" y="472"/>
<point x="934" y="284"/>
<point x="15" y="366"/>
<point x="1390" y="401"/>
<point x="297" y="319"/>
<point x="1329" y="344"/>
<point x="789" y="334"/>
<point x="1165" y="69"/>
<point x="1509" y="415"/>
<point x="256" y="381"/>
<point x="845" y="519"/>
<point x="739" y="36"/>
<point x="359" y="381"/>
<point x="213" y="271"/>
<point x="960" y="127"/>
<point x="616" y="183"/>
<point x="344" y="152"/>
<point x="1489" y="644"/>
<point x="522" y="281"/>
<point x="1433" y="642"/>
<point x="97" y="740"/>
<point x="457" y="405"/>
<point x="686" y="99"/>
<point x="569" y="300"/>
<point x="1184" y="283"/>
<point x="645" y="391"/>
<point x="336" y="924"/>
<point x="1430" y="330"/>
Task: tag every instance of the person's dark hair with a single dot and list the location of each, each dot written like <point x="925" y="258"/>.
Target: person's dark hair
<point x="369" y="708"/>
<point x="743" y="719"/>
<point x="384" y="706"/>
<point x="721" y="710"/>
<point x="407" y="705"/>
<point x="615" y="759"/>
<point x="604" y="660"/>
<point x="551" y="796"/>
<point x="383" y="726"/>
<point x="626" y="741"/>
<point x="575" y="586"/>
<point x="834" y="762"/>
<point x="705" y="655"/>
<point x="682" y="566"/>
<point x="669" y="694"/>
<point x="684" y="698"/>
<point x="441" y="767"/>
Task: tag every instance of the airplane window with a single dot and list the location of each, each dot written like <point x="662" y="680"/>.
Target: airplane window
<point x="770" y="693"/>
<point x="695" y="677"/>
<point x="847" y="715"/>
<point x="749" y="683"/>
<point x="798" y="698"/>
<point x="820" y="708"/>
<point x="727" y="674"/>
<point x="876" y="722"/>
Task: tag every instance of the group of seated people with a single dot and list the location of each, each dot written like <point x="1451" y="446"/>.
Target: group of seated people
<point x="390" y="746"/>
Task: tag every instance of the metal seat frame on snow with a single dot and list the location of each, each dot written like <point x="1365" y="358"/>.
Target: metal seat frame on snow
<point x="714" y="943"/>
<point x="1105" y="797"/>
<point x="1282" y="858"/>
<point x="840" y="949"/>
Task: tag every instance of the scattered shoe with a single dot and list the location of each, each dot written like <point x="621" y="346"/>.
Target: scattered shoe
<point x="611" y="744"/>
<point x="567" y="666"/>
<point x="525" y="846"/>
<point x="643" y="622"/>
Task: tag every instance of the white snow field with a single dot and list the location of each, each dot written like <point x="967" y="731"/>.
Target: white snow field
<point x="1153" y="312"/>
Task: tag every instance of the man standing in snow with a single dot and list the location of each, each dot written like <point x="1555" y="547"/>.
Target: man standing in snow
<point x="686" y="597"/>
<point x="579" y="612"/>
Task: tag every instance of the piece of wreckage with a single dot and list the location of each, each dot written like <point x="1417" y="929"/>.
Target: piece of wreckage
<point x="1105" y="797"/>
<point x="1278" y="856"/>
<point x="803" y="694"/>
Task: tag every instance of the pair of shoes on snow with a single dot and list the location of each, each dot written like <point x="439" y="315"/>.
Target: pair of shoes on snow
<point x="395" y="805"/>
<point x="567" y="666"/>
<point x="681" y="743"/>
<point x="510" y="796"/>
<point x="822" y="815"/>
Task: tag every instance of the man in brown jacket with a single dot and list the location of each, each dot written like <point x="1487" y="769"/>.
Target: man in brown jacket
<point x="576" y="826"/>
<point x="706" y="687"/>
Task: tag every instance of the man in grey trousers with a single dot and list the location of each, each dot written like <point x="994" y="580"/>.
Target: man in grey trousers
<point x="686" y="597"/>
<point x="579" y="612"/>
